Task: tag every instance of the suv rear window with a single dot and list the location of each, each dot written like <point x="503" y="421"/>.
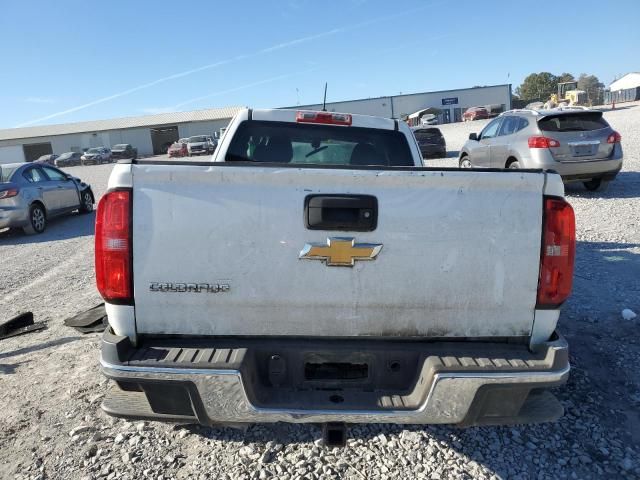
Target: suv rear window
<point x="573" y="122"/>
<point x="428" y="131"/>
<point x="427" y="134"/>
<point x="282" y="142"/>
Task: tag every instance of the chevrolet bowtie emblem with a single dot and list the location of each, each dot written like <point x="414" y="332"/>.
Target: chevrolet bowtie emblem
<point x="340" y="251"/>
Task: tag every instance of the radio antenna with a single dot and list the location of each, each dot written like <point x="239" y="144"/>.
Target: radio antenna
<point x="324" y="102"/>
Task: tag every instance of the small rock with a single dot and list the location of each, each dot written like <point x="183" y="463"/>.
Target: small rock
<point x="119" y="439"/>
<point x="411" y="437"/>
<point x="246" y="451"/>
<point x="628" y="314"/>
<point x="91" y="451"/>
<point x="266" y="456"/>
<point x="626" y="463"/>
<point x="79" y="429"/>
<point x="141" y="426"/>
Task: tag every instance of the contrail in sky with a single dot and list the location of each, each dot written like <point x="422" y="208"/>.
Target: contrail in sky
<point x="289" y="75"/>
<point x="220" y="63"/>
<point x="242" y="87"/>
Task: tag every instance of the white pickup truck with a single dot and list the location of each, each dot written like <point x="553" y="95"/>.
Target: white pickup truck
<point x="313" y="270"/>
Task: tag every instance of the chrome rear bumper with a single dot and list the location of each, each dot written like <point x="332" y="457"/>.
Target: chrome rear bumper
<point x="448" y="389"/>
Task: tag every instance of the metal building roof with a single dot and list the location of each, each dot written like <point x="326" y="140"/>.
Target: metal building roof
<point x="630" y="80"/>
<point x="454" y="90"/>
<point x="119" y="123"/>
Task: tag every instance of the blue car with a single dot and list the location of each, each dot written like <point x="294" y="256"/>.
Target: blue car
<point x="31" y="194"/>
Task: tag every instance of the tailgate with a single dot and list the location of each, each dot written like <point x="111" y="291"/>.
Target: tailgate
<point x="216" y="252"/>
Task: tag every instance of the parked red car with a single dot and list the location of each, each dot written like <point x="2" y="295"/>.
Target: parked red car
<point x="178" y="150"/>
<point x="474" y="113"/>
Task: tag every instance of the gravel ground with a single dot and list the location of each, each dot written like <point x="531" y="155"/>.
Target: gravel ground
<point x="51" y="425"/>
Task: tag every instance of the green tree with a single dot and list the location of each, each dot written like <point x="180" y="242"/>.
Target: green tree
<point x="566" y="77"/>
<point x="538" y="86"/>
<point x="593" y="86"/>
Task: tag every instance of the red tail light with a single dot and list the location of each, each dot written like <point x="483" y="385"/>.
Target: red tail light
<point x="543" y="142"/>
<point x="615" y="137"/>
<point x="558" y="253"/>
<point x="10" y="192"/>
<point x="114" y="274"/>
<point x="326" y="118"/>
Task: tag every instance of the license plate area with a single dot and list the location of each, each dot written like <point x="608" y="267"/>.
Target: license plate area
<point x="335" y="371"/>
<point x="329" y="370"/>
<point x="583" y="149"/>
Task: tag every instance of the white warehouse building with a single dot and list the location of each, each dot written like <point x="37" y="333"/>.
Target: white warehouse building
<point x="450" y="103"/>
<point x="150" y="134"/>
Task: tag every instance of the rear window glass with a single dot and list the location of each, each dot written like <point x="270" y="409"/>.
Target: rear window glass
<point x="428" y="131"/>
<point x="281" y="142"/>
<point x="6" y="172"/>
<point x="575" y="122"/>
<point x="427" y="134"/>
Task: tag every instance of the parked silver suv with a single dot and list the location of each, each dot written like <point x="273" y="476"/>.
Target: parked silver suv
<point x="578" y="144"/>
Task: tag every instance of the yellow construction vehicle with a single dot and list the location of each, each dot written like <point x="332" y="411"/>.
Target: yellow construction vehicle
<point x="568" y="94"/>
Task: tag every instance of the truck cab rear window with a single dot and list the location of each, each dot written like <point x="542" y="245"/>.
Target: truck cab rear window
<point x="294" y="143"/>
<point x="574" y="122"/>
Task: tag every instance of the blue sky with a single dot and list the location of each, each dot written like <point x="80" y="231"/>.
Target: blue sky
<point x="67" y="61"/>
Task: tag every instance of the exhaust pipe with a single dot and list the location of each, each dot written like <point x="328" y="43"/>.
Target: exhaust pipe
<point x="334" y="434"/>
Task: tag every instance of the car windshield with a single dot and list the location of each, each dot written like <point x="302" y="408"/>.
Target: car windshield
<point x="94" y="150"/>
<point x="276" y="142"/>
<point x="44" y="157"/>
<point x="573" y="122"/>
<point x="6" y="171"/>
<point x="64" y="156"/>
<point x="122" y="146"/>
<point x="197" y="139"/>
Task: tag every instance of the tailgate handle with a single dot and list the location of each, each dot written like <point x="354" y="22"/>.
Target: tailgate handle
<point x="355" y="213"/>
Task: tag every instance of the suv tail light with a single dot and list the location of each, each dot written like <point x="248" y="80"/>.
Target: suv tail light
<point x="615" y="137"/>
<point x="558" y="253"/>
<point x="326" y="118"/>
<point x="8" y="193"/>
<point x="113" y="253"/>
<point x="543" y="142"/>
